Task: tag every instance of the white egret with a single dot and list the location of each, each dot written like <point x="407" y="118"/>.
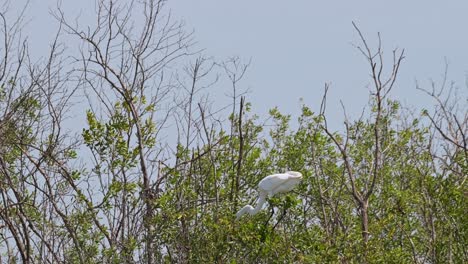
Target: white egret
<point x="269" y="186"/>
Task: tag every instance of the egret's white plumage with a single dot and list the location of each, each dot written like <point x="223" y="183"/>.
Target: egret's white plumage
<point x="269" y="186"/>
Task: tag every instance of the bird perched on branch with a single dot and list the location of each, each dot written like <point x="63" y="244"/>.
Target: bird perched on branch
<point x="269" y="186"/>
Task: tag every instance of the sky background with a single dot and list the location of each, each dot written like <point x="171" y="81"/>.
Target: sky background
<point x="297" y="46"/>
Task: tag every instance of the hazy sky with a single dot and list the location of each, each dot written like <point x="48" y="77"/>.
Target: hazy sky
<point x="297" y="46"/>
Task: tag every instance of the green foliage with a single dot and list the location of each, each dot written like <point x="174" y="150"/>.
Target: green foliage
<point x="417" y="211"/>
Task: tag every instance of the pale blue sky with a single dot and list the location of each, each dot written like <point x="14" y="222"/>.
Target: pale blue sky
<point x="297" y="46"/>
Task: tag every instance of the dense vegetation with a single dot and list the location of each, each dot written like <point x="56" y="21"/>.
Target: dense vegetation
<point x="390" y="187"/>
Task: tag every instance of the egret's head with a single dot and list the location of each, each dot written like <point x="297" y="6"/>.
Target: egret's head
<point x="245" y="210"/>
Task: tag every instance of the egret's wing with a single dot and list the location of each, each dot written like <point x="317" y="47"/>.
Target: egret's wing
<point x="272" y="182"/>
<point x="294" y="174"/>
